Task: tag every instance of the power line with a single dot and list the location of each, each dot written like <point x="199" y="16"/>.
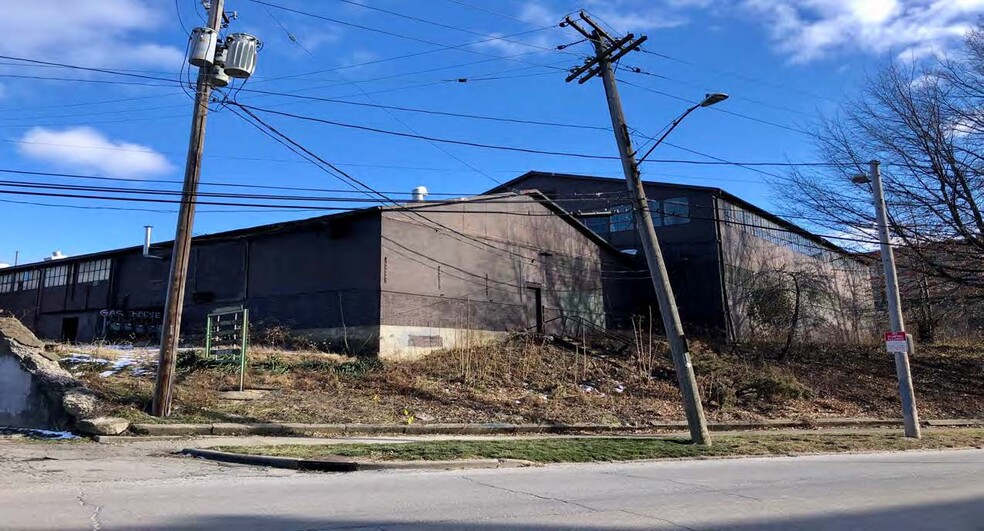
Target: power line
<point x="737" y="75"/>
<point x="416" y="209"/>
<point x="83" y="80"/>
<point x="401" y="57"/>
<point x="571" y="196"/>
<point x="88" y="68"/>
<point x="637" y="70"/>
<point x="725" y="111"/>
<point x="387" y="32"/>
<point x="429" y="138"/>
<point x="431" y="111"/>
<point x="442" y="25"/>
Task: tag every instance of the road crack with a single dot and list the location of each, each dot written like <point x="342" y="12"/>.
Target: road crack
<point x="95" y="524"/>
<point x="576" y="504"/>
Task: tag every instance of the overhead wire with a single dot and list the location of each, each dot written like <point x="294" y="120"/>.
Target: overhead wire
<point x="389" y="33"/>
<point x="442" y="25"/>
<point x="429" y="138"/>
<point x="404" y="208"/>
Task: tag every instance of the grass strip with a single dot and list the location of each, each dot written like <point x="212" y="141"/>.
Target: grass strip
<point x="587" y="449"/>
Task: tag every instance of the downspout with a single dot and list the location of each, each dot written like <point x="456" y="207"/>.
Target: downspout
<point x="42" y="273"/>
<point x="725" y="299"/>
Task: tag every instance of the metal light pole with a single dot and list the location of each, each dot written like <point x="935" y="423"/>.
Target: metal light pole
<point x="910" y="416"/>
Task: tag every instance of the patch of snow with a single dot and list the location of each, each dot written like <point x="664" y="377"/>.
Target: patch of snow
<point x="79" y="358"/>
<point x="107" y="374"/>
<point x="40" y="434"/>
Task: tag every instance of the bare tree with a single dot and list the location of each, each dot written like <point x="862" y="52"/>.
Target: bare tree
<point x="926" y="125"/>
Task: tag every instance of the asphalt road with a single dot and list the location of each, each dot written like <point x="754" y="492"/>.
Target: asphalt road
<point x="110" y="487"/>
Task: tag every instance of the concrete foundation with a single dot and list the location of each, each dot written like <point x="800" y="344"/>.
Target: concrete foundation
<point x="22" y="402"/>
<point x="34" y="391"/>
<point x="411" y="342"/>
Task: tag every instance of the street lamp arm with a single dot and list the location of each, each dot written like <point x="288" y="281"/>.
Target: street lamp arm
<point x="668" y="131"/>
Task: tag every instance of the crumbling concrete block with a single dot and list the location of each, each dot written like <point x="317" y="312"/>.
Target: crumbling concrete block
<point x="103" y="426"/>
<point x="37" y="392"/>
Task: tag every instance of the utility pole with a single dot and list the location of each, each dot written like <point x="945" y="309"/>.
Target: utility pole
<point x="171" y="327"/>
<point x="607" y="51"/>
<point x="910" y="416"/>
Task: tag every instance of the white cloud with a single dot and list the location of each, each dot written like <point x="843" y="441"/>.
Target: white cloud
<point x="87" y="149"/>
<point x="105" y="33"/>
<point x="621" y="16"/>
<point x="806" y="30"/>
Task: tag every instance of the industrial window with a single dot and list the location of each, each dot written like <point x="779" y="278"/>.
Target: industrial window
<point x="599" y="224"/>
<point x="769" y="231"/>
<point x="29" y="279"/>
<point x="6" y="283"/>
<point x="56" y="276"/>
<point x="621" y="219"/>
<point x="94" y="271"/>
<point x="676" y="211"/>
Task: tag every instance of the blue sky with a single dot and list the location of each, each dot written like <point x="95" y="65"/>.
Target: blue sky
<point x="783" y="62"/>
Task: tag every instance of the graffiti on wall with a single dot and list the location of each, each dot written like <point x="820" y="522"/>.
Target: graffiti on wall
<point x="131" y="324"/>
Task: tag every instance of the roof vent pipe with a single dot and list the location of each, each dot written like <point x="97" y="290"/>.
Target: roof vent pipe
<point x="419" y="194"/>
<point x="146" y="246"/>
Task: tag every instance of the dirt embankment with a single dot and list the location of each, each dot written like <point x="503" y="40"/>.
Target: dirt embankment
<point x="524" y="381"/>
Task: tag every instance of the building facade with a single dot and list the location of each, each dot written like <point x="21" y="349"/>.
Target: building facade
<point x="736" y="270"/>
<point x="399" y="281"/>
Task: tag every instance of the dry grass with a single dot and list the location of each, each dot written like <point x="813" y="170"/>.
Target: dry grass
<point x="580" y="450"/>
<point x="526" y="381"/>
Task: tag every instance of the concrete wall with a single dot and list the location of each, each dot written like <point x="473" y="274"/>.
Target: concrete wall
<point x="759" y="257"/>
<point x="436" y="284"/>
<point x="22" y="404"/>
<point x="318" y="275"/>
<point x="690" y="249"/>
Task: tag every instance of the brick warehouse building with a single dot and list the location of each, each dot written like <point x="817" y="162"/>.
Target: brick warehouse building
<point x="723" y="255"/>
<point x="394" y="280"/>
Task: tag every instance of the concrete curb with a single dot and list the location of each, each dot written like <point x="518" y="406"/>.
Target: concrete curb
<point x="295" y="429"/>
<point x="341" y="464"/>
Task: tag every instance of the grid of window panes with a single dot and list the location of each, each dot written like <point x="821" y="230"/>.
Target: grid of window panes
<point x="598" y="224"/>
<point x="56" y="276"/>
<point x="7" y="283"/>
<point x="675" y="211"/>
<point x="94" y="271"/>
<point x="621" y="219"/>
<point x="761" y="228"/>
<point x="29" y="279"/>
<point x="665" y="212"/>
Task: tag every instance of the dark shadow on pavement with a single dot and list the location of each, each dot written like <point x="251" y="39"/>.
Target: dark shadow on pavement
<point x="953" y="516"/>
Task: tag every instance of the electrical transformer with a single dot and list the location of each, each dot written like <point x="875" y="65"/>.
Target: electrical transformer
<point x="202" y="46"/>
<point x="241" y="51"/>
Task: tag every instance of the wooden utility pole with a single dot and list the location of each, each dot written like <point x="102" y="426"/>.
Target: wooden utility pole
<point x="910" y="416"/>
<point x="608" y="50"/>
<point x="171" y="328"/>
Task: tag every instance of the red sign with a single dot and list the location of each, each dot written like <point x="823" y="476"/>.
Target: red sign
<point x="896" y="342"/>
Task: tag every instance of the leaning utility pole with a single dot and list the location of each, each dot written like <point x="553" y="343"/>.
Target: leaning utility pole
<point x="607" y="51"/>
<point x="171" y="327"/>
<point x="910" y="416"/>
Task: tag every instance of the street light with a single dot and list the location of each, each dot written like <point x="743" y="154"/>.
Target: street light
<point x="712" y="98"/>
<point x="709" y="99"/>
<point x="861" y="179"/>
<point x="910" y="415"/>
